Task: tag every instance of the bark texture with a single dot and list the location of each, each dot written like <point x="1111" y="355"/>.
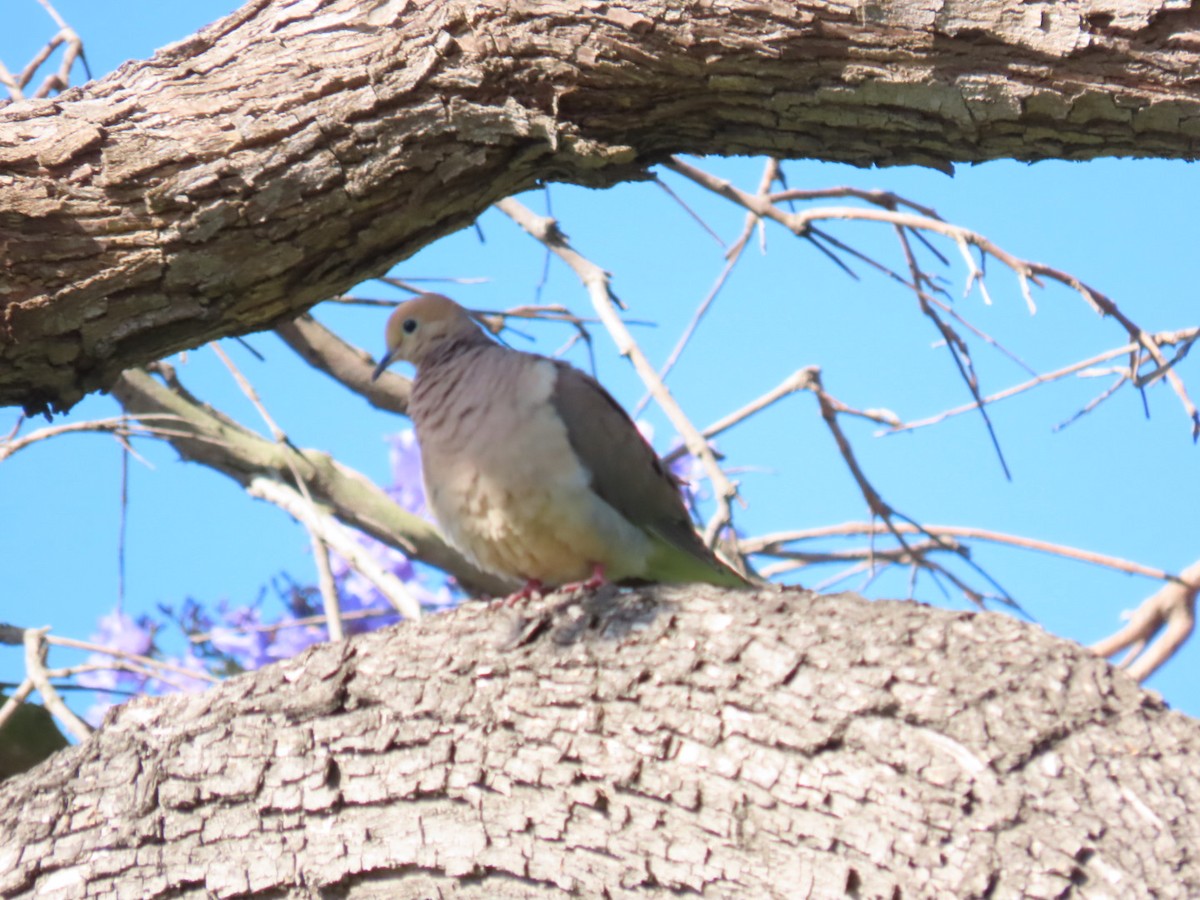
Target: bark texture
<point x="773" y="744"/>
<point x="299" y="146"/>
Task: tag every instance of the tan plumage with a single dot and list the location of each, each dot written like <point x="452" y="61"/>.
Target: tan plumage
<point x="531" y="468"/>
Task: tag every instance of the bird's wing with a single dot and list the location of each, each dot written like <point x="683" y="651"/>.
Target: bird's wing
<point x="625" y="471"/>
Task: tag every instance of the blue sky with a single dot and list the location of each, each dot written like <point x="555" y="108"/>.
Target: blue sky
<point x="1114" y="482"/>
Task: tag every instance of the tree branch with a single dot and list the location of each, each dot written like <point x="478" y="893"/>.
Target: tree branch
<point x="222" y="444"/>
<point x="667" y="741"/>
<point x="222" y="186"/>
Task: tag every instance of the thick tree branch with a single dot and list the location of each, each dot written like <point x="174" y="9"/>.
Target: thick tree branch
<point x="671" y="741"/>
<point x="277" y="158"/>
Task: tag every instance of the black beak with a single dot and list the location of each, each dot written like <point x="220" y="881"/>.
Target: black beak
<point x="383" y="364"/>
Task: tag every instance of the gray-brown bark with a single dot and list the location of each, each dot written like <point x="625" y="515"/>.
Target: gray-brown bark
<point x="291" y="150"/>
<point x="725" y="743"/>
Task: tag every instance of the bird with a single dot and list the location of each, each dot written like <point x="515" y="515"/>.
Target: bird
<point x="531" y="468"/>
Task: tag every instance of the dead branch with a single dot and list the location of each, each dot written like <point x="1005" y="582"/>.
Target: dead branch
<point x="1183" y="338"/>
<point x="35" y="671"/>
<point x="1171" y="610"/>
<point x="801" y="223"/>
<point x="774" y="544"/>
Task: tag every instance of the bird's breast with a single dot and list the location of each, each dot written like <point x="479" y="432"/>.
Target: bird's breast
<point x="502" y="478"/>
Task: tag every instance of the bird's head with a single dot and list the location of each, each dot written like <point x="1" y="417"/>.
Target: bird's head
<point x="420" y="326"/>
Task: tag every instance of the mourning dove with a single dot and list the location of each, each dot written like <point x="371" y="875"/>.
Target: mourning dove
<point x="532" y="469"/>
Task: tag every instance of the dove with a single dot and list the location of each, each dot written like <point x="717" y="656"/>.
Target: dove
<point x="532" y="470"/>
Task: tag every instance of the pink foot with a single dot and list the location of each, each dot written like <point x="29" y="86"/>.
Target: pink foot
<point x="597" y="580"/>
<point x="532" y="586"/>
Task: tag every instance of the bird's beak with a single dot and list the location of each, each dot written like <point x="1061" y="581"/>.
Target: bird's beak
<point x="383" y="364"/>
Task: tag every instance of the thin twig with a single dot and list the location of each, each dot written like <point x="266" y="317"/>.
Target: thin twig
<point x="769" y="544"/>
<point x="708" y="229"/>
<point x="302" y="622"/>
<point x="329" y="596"/>
<point x="732" y="256"/>
<point x="800" y="224"/>
<point x="127" y="426"/>
<point x="35" y="671"/>
<point x="328" y="588"/>
<point x="14" y="700"/>
<point x="1093" y="403"/>
<point x="1184" y="337"/>
<point x="339" y="538"/>
<point x="955" y="345"/>
<point x="797" y="381"/>
<point x="137" y="658"/>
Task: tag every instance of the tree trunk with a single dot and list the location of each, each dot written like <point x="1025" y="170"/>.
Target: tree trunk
<point x="293" y="149"/>
<point x="673" y="741"/>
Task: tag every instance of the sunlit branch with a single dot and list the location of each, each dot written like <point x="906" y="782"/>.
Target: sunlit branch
<point x="323" y="526"/>
<point x="732" y="256"/>
<point x="1172" y="611"/>
<point x="217" y="441"/>
<point x="35" y="671"/>
<point x="772" y="544"/>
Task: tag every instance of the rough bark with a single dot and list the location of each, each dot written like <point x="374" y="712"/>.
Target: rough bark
<point x="295" y="148"/>
<point x="677" y="741"/>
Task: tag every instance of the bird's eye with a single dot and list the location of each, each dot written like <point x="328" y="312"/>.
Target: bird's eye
<point x="409" y="326"/>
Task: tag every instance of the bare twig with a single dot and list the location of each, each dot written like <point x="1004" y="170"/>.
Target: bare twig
<point x="956" y="346"/>
<point x="797" y="381"/>
<point x="121" y="426"/>
<point x="333" y="533"/>
<point x="1173" y="608"/>
<point x="708" y="229"/>
<point x="1093" y="403"/>
<point x="116" y="665"/>
<point x="883" y="199"/>
<point x="1183" y="337"/>
<point x="15" y="699"/>
<point x="135" y="658"/>
<point x="732" y="256"/>
<point x="887" y="514"/>
<point x="772" y="544"/>
<point x="800" y="223"/>
<point x="329" y="594"/>
<point x="35" y="671"/>
<point x="328" y="589"/>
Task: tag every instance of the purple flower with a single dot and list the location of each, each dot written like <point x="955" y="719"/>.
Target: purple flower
<point x="120" y="632"/>
<point x="96" y="712"/>
<point x="689" y="471"/>
<point x="288" y="641"/>
<point x="190" y="661"/>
